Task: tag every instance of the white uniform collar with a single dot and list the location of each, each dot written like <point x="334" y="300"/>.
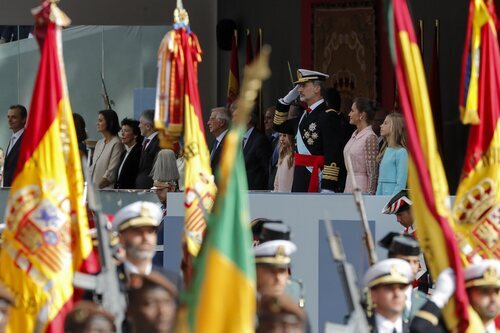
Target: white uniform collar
<point x="130" y="268"/>
<point x="315" y="105"/>
<point x="384" y="325"/>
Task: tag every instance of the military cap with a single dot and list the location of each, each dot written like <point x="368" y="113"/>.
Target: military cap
<point x="275" y="246"/>
<point x="256" y="226"/>
<point x="388" y="271"/>
<point x="305" y="75"/>
<point x="139" y="282"/>
<point x="398" y="203"/>
<point x="484" y="274"/>
<point x="82" y="314"/>
<point x="138" y="214"/>
<point x="280" y="308"/>
<point x="6" y="296"/>
<point x="402" y="244"/>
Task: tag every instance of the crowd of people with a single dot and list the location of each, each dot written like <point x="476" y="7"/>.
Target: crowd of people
<point x="306" y="145"/>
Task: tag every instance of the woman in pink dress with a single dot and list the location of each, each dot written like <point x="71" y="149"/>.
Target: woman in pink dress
<point x="284" y="174"/>
<point x="362" y="148"/>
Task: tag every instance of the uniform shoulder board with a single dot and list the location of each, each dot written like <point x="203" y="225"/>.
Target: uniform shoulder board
<point x="332" y="110"/>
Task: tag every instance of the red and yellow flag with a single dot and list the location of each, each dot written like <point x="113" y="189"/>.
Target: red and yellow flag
<point x="426" y="174"/>
<point x="233" y="84"/>
<point x="46" y="237"/>
<point x="477" y="204"/>
<point x="180" y="49"/>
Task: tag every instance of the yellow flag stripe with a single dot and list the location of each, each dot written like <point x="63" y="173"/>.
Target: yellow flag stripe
<point x="225" y="287"/>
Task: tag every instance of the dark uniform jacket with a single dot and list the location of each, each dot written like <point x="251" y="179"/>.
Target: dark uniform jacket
<point x="128" y="174"/>
<point x="322" y="132"/>
<point x="257" y="153"/>
<point x="10" y="162"/>
<point x="148" y="157"/>
<point x="428" y="320"/>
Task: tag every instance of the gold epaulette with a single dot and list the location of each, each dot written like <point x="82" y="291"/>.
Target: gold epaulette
<point x="280" y="117"/>
<point x="430" y="317"/>
<point x="331" y="172"/>
<point x="332" y="110"/>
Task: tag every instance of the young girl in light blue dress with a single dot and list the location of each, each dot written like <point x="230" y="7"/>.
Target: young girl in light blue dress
<point x="393" y="157"/>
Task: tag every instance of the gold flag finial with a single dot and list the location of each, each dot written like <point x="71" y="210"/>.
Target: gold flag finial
<point x="180" y="14"/>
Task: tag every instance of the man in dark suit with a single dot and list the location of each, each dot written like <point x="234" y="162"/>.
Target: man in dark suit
<point x="131" y="156"/>
<point x="150" y="148"/>
<point x="318" y="145"/>
<point x="16" y="117"/>
<point x="257" y="152"/>
<point x="218" y="125"/>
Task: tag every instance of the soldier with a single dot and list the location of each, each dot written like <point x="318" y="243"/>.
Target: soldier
<point x="137" y="226"/>
<point x="428" y="319"/>
<point x="6" y="301"/>
<point x="318" y="145"/>
<point x="280" y="314"/>
<point x="400" y="204"/>
<point x="388" y="281"/>
<point x="88" y="317"/>
<point x="152" y="303"/>
<point x="405" y="247"/>
<point x="483" y="286"/>
<point x="272" y="258"/>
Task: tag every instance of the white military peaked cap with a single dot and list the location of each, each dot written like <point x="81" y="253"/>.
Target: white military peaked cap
<point x="305" y="75"/>
<point x="138" y="214"/>
<point x="275" y="252"/>
<point x="388" y="271"/>
<point x="484" y="274"/>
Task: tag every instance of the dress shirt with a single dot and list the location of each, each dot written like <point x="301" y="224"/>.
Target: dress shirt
<point x="130" y="268"/>
<point x="384" y="325"/>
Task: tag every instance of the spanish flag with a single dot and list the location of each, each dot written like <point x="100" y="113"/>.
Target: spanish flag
<point x="426" y="174"/>
<point x="478" y="196"/>
<point x="46" y="237"/>
<point x="233" y="84"/>
<point x="178" y="102"/>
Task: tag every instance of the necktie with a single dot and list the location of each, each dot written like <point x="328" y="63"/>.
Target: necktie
<point x="214" y="148"/>
<point x="308" y="110"/>
<point x="144" y="145"/>
<point x="11" y="144"/>
<point x="394" y="330"/>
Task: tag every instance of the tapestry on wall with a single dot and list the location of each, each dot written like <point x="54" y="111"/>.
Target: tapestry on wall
<point x="342" y="44"/>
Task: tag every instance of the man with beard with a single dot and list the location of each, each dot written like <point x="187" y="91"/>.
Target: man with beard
<point x="318" y="145"/>
<point x="483" y="288"/>
<point x="152" y="304"/>
<point x="137" y="226"/>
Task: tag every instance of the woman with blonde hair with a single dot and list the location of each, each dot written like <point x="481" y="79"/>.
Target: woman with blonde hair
<point x="284" y="174"/>
<point x="393" y="157"/>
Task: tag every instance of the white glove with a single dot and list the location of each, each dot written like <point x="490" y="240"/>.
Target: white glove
<point x="445" y="287"/>
<point x="291" y="96"/>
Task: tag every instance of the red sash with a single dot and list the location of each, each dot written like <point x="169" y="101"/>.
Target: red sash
<point x="314" y="161"/>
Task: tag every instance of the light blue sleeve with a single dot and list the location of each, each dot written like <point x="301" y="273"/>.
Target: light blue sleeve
<point x="401" y="170"/>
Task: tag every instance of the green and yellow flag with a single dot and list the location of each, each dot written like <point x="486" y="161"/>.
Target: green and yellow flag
<point x="46" y="239"/>
<point x="222" y="297"/>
